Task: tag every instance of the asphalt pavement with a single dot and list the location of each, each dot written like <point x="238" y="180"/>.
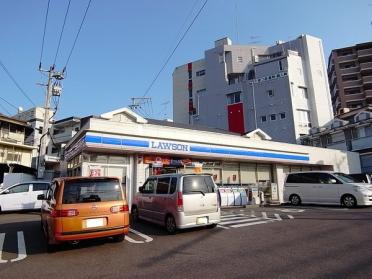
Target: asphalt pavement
<point x="263" y="242"/>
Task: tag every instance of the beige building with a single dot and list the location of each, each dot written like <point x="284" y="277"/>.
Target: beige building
<point x="14" y="153"/>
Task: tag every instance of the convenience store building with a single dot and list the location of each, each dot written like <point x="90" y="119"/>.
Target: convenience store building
<point x="122" y="143"/>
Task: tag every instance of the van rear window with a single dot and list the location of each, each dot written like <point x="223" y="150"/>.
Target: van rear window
<point x="82" y="191"/>
<point x="198" y="184"/>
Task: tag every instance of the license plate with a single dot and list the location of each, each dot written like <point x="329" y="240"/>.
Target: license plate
<point x="97" y="222"/>
<point x="202" y="220"/>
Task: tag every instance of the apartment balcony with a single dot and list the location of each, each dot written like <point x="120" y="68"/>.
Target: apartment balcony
<point x="368" y="94"/>
<point x="364" y="54"/>
<point x="352" y="83"/>
<point x="364" y="67"/>
<point x="354" y="97"/>
<point x="367" y="79"/>
<point x="362" y="143"/>
<point x="347" y="58"/>
<point x="340" y="145"/>
<point x="349" y="71"/>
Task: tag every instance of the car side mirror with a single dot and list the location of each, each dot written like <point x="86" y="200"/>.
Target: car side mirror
<point x="41" y="197"/>
<point x="140" y="189"/>
<point x="5" y="192"/>
<point x="333" y="181"/>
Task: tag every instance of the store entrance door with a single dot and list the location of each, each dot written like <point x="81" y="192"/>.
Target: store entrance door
<point x="121" y="173"/>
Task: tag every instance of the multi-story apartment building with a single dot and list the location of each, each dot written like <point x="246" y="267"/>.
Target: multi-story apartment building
<point x="14" y="152"/>
<point x="281" y="89"/>
<point x="351" y="131"/>
<point x="60" y="132"/>
<point x="350" y="76"/>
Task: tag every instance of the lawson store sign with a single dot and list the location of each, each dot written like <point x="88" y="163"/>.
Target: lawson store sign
<point x="164" y="146"/>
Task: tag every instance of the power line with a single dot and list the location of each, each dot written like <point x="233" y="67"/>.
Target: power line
<point x="77" y="35"/>
<point x="16" y="83"/>
<point x="174" y="50"/>
<point x="5" y="109"/>
<point x="45" y="25"/>
<point x="63" y="27"/>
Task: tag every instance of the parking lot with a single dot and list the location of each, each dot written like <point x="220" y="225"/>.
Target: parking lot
<point x="280" y="241"/>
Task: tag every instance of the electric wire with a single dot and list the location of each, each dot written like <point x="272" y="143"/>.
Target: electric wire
<point x="4" y="108"/>
<point x="45" y="25"/>
<point x="10" y="104"/>
<point x="63" y="28"/>
<point x="77" y="35"/>
<point x="16" y="83"/>
<point x="175" y="48"/>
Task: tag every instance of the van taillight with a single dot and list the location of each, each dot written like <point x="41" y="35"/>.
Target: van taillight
<point x="119" y="208"/>
<point x="179" y="201"/>
<point x="64" y="213"/>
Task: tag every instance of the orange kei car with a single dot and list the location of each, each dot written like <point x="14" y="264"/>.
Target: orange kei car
<point x="77" y="208"/>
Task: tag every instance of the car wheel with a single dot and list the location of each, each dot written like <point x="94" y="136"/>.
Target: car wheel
<point x="170" y="224"/>
<point x="295" y="200"/>
<point x="348" y="201"/>
<point x="118" y="238"/>
<point x="135" y="214"/>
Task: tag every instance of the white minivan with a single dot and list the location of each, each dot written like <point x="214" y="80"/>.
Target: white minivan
<point x="22" y="195"/>
<point x="178" y="201"/>
<point x="326" y="187"/>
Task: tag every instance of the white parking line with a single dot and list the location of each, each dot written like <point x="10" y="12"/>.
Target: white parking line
<point x="252" y="224"/>
<point x="2" y="237"/>
<point x="234" y="218"/>
<point x="277" y="216"/>
<point x="21" y="248"/>
<point x="145" y="237"/>
<point x="240" y="221"/>
<point x="264" y="215"/>
<point x="223" y="227"/>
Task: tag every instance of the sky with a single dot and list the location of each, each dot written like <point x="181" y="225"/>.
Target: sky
<point x="123" y="44"/>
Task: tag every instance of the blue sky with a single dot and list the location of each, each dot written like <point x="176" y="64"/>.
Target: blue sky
<point x="123" y="44"/>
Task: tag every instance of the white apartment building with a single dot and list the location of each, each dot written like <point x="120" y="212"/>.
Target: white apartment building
<point x="280" y="89"/>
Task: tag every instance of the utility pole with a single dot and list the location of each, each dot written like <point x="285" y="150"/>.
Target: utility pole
<point x="53" y="88"/>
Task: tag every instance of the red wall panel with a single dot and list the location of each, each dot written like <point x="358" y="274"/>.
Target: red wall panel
<point x="236" y="118"/>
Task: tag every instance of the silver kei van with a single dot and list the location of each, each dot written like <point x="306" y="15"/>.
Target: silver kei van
<point x="178" y="201"/>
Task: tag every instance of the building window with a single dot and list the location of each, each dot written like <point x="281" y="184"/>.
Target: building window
<point x="221" y="58"/>
<point x="233" y="98"/>
<point x="200" y="73"/>
<point x="280" y="65"/>
<point x="303" y="92"/>
<point x="304" y="118"/>
<point x="272" y="117"/>
<point x="190" y="75"/>
<point x="270" y="93"/>
<point x="282" y="115"/>
<point x="40" y="129"/>
<point x="240" y="59"/>
<point x="263" y="118"/>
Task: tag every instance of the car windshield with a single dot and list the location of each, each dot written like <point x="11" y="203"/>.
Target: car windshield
<point x="345" y="178"/>
<point x="81" y="191"/>
<point x="198" y="184"/>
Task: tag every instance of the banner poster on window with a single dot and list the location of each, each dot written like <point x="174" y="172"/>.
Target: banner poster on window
<point x="198" y="167"/>
<point x="95" y="171"/>
<point x="157" y="161"/>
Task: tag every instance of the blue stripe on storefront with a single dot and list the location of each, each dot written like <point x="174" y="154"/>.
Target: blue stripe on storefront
<point x="135" y="143"/>
<point x="198" y="149"/>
